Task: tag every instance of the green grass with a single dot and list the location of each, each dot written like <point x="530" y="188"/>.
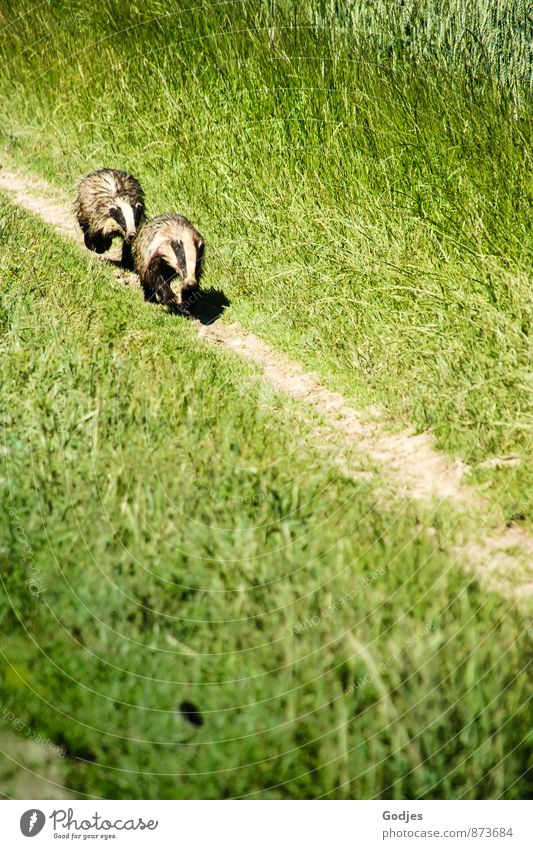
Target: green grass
<point x="172" y="532"/>
<point x="362" y="180"/>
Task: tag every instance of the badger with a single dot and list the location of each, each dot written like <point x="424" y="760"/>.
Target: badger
<point x="168" y="254"/>
<point x="109" y="203"/>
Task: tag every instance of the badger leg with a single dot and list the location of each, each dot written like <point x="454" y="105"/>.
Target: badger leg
<point x="127" y="256"/>
<point x="165" y="295"/>
<point x="96" y="242"/>
<point x="149" y="288"/>
<point x="156" y="283"/>
<point x="150" y="295"/>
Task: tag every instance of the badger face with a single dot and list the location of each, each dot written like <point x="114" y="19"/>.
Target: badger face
<point x="123" y="220"/>
<point x="184" y="257"/>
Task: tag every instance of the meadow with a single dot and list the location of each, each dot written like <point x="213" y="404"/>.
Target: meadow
<point x="196" y="602"/>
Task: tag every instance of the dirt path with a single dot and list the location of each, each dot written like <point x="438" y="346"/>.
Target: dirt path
<point x="34" y="194"/>
<point x="410" y="460"/>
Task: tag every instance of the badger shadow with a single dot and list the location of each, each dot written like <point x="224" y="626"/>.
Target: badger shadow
<point x="208" y="306"/>
<point x="124" y="263"/>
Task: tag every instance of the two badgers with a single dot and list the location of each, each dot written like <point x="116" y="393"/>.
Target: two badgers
<point x="167" y="251"/>
<point x="109" y="203"/>
<point x="168" y="259"/>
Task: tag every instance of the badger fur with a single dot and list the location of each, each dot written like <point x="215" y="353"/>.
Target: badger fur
<point x="168" y="255"/>
<point x="109" y="203"/>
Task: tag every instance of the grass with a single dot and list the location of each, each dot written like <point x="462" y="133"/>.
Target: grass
<point x="362" y="178"/>
<point x="160" y="549"/>
<point x="364" y="192"/>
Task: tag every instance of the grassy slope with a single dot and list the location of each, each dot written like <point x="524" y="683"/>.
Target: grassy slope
<point x="149" y="492"/>
<point x="368" y="217"/>
<point x="367" y="206"/>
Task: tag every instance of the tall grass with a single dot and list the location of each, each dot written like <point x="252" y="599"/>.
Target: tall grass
<point x="362" y="172"/>
<point x="490" y="38"/>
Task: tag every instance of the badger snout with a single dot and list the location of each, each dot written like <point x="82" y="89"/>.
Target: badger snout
<point x="184" y="290"/>
<point x="129" y="237"/>
<point x="182" y="287"/>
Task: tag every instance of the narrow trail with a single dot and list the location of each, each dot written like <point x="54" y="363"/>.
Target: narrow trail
<point x="410" y="460"/>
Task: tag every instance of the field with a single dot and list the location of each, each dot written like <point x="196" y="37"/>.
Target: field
<point x="200" y="597"/>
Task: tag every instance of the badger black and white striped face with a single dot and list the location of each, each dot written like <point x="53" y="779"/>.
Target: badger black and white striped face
<point x="188" y="253"/>
<point x="124" y="220"/>
<point x="184" y="258"/>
